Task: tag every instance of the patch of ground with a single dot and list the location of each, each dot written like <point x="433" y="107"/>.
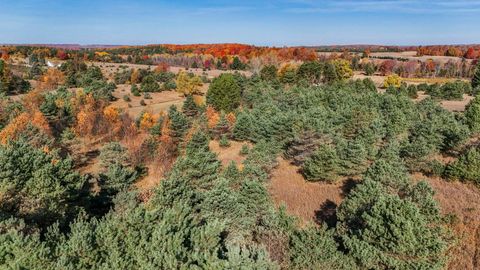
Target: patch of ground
<point x="228" y="154"/>
<point x="457" y="105"/>
<point x="109" y="69"/>
<point x="160" y="101"/>
<point x="310" y="201"/>
<point x="412" y="55"/>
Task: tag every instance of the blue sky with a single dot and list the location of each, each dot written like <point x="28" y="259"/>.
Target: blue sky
<point x="268" y="22"/>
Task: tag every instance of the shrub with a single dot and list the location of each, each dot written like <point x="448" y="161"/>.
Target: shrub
<point x="392" y="80"/>
<point x="127" y="98"/>
<point x="147" y="95"/>
<point x="244" y="150"/>
<point x="224" y="142"/>
<point x="142" y="103"/>
<point x="134" y="90"/>
<point x="369" y="69"/>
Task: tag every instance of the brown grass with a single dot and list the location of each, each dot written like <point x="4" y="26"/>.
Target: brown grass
<point x="463" y="201"/>
<point x="228" y="154"/>
<point x="309" y="201"/>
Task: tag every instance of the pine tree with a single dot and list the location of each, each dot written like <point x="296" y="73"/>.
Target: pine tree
<point x="323" y="165"/>
<point x="224" y="93"/>
<point x="199" y="164"/>
<point x="472" y="115"/>
<point x="190" y="108"/>
<point x="244" y="150"/>
<point x="243" y="127"/>
<point x="353" y="158"/>
<point x="224" y="142"/>
<point x="223" y="127"/>
<point x="178" y="123"/>
<point x="476" y="77"/>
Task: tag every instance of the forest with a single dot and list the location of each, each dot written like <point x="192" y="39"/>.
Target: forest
<point x="74" y="164"/>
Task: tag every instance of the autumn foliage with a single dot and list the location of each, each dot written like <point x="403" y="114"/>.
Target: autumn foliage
<point x="52" y="79"/>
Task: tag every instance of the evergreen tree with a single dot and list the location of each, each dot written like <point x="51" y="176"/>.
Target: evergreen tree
<point x="310" y="71"/>
<point x="392" y="229"/>
<point x="330" y="73"/>
<point x="199" y="164"/>
<point x="472" y="115"/>
<point x="178" y="123"/>
<point x="224" y="93"/>
<point x="476" y="77"/>
<point x="369" y="69"/>
<point x="190" y="108"/>
<point x="237" y="64"/>
<point x="48" y="184"/>
<point x="269" y="73"/>
<point x="243" y="127"/>
<point x="223" y="127"/>
<point x="224" y="142"/>
<point x="323" y="165"/>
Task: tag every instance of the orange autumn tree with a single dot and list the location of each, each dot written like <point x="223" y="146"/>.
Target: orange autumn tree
<point x="20" y="123"/>
<point x="89" y="117"/>
<point x="52" y="79"/>
<point x="148" y="120"/>
<point x="112" y="117"/>
<point x="162" y="67"/>
<point x="212" y="117"/>
<point x="231" y="119"/>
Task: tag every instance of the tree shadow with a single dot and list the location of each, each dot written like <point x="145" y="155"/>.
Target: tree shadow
<point x="347" y="186"/>
<point x="327" y="214"/>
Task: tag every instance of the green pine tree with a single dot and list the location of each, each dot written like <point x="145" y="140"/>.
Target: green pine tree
<point x="476" y="77"/>
<point x="243" y="127"/>
<point x="323" y="165"/>
<point x="190" y="108"/>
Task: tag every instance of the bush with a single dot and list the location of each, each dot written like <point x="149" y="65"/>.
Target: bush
<point x="127" y="98"/>
<point x="134" y="90"/>
<point x="147" y="95"/>
<point x="224" y="142"/>
<point x="142" y="103"/>
<point x="244" y="150"/>
<point x="149" y="84"/>
<point x="392" y="81"/>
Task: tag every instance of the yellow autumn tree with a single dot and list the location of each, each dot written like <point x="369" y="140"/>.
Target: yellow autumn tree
<point x="188" y="84"/>
<point x="343" y="68"/>
<point x="392" y="80"/>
